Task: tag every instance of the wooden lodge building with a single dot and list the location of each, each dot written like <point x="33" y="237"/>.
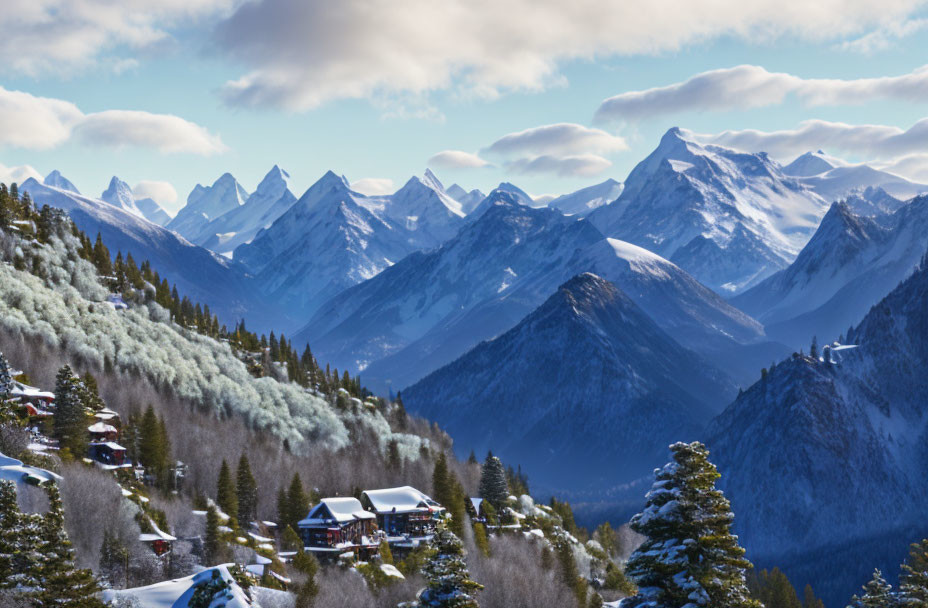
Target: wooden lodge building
<point x="339" y="525"/>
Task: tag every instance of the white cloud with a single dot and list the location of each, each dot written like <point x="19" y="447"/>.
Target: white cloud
<point x="62" y="35"/>
<point x="9" y="175"/>
<point x="561" y="139"/>
<point x="750" y="86"/>
<point x="874" y="142"/>
<point x="374" y="186"/>
<point x="162" y="193"/>
<point x="912" y="166"/>
<point x="456" y="159"/>
<point x="164" y="132"/>
<point x="581" y="165"/>
<point x="885" y="37"/>
<point x="39" y="123"/>
<point x="300" y="54"/>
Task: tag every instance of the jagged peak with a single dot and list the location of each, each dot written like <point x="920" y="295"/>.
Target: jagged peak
<point x="56" y="180"/>
<point x="431" y="180"/>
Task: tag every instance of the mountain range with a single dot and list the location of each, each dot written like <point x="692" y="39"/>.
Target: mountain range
<point x="433" y="306"/>
<point x="849" y="264"/>
<point x="824" y="458"/>
<point x="205" y="276"/>
<point x="588" y="363"/>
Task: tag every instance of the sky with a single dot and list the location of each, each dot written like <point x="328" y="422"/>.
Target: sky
<point x="549" y="95"/>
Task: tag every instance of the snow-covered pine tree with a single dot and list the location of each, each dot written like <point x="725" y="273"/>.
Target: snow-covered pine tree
<point x="449" y="584"/>
<point x="70" y="417"/>
<point x="877" y="594"/>
<point x="17" y="541"/>
<point x="690" y="557"/>
<point x="6" y="380"/>
<point x="493" y="485"/>
<point x="61" y="584"/>
<point x="913" y="582"/>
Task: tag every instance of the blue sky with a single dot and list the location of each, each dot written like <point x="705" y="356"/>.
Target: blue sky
<point x="181" y="94"/>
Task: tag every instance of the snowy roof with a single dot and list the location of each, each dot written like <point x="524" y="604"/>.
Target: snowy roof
<point x="260" y="559"/>
<point x="110" y="444"/>
<point x="101" y="427"/>
<point x="405" y="499"/>
<point x="24" y="390"/>
<point x="342" y="510"/>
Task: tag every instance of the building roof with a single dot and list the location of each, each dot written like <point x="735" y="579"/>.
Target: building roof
<point x="405" y="499"/>
<point x="110" y="444"/>
<point x="101" y="427"/>
<point x="341" y="509"/>
<point x="24" y="390"/>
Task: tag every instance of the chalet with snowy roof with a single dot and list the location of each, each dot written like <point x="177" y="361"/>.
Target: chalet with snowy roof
<point x="108" y="454"/>
<point x="160" y="542"/>
<point x="106" y="415"/>
<point x="100" y="431"/>
<point x="339" y="525"/>
<point x="405" y="514"/>
<point x="41" y="401"/>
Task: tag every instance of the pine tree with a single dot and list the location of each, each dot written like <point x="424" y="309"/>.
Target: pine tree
<point x="813" y="349"/>
<point x="877" y="594"/>
<point x="809" y="599"/>
<point x="114" y="558"/>
<point x="569" y="571"/>
<point x="61" y="584"/>
<point x="449" y="583"/>
<point x="913" y="581"/>
<point x="246" y="491"/>
<point x="18" y="557"/>
<point x="773" y="589"/>
<point x="440" y="486"/>
<point x="153" y="453"/>
<point x="493" y="486"/>
<point x="290" y="540"/>
<point x="6" y="380"/>
<point x="212" y="543"/>
<point x="306" y="564"/>
<point x="297" y="502"/>
<point x="690" y="555"/>
<point x="226" y="497"/>
<point x="70" y="418"/>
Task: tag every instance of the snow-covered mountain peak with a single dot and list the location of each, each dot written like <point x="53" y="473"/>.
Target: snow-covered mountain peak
<point x="812" y="163"/>
<point x="205" y="204"/>
<point x="56" y="180"/>
<point x="586" y="200"/>
<point x="274" y="183"/>
<point x="119" y="194"/>
<point x="468" y="200"/>
<point x="432" y="181"/>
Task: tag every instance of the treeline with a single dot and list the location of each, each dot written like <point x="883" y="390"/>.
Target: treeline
<point x="133" y="281"/>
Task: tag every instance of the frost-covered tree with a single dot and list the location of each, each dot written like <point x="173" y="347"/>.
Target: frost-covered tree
<point x="877" y="594"/>
<point x="913" y="582"/>
<point x="18" y="559"/>
<point x="493" y="485"/>
<point x="60" y="583"/>
<point x="6" y="380"/>
<point x="690" y="556"/>
<point x="449" y="583"/>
